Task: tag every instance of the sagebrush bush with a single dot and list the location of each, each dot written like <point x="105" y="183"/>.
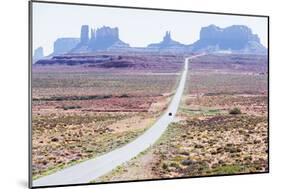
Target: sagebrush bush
<point x="235" y="111"/>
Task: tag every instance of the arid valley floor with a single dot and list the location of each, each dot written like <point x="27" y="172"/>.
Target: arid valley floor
<point x="82" y="111"/>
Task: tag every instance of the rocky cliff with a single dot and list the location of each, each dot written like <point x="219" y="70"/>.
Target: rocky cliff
<point x="83" y="45"/>
<point x="84" y="35"/>
<point x="37" y="54"/>
<point x="104" y="38"/>
<point x="64" y="45"/>
<point x="168" y="44"/>
<point x="237" y="38"/>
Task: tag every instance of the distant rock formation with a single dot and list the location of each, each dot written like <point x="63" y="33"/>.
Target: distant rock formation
<point x="104" y="38"/>
<point x="83" y="45"/>
<point x="84" y="35"/>
<point x="38" y="54"/>
<point x="168" y="44"/>
<point x="64" y="45"/>
<point x="237" y="38"/>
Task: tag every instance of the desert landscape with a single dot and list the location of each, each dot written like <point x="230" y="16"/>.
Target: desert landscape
<point x="104" y="111"/>
<point x="221" y="126"/>
<point x="80" y="112"/>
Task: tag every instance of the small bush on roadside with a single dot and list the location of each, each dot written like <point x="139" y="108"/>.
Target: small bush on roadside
<point x="235" y="111"/>
<point x="164" y="166"/>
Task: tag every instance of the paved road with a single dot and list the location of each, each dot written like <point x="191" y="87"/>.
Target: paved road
<point x="91" y="169"/>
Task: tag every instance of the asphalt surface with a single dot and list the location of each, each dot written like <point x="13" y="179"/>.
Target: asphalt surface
<point x="89" y="170"/>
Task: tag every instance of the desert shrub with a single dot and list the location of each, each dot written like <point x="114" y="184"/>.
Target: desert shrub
<point x="124" y="96"/>
<point x="164" y="166"/>
<point x="228" y="169"/>
<point x="187" y="162"/>
<point x="235" y="111"/>
<point x="70" y="107"/>
<point x="174" y="164"/>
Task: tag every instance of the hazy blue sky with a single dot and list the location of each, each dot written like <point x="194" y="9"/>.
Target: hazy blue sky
<point x="136" y="27"/>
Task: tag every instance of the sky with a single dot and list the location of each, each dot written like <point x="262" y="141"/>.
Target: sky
<point x="136" y="27"/>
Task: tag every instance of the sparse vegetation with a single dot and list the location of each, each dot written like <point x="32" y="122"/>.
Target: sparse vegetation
<point x="206" y="138"/>
<point x="235" y="111"/>
<point x="108" y="109"/>
<point x="80" y="112"/>
<point x="70" y="107"/>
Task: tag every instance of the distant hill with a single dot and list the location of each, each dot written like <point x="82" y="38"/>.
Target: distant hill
<point x="104" y="38"/>
<point x="64" y="45"/>
<point x="37" y="54"/>
<point x="232" y="39"/>
<point x="168" y="44"/>
<point x="236" y="38"/>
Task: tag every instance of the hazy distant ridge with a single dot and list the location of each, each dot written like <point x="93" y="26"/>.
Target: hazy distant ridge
<point x="236" y="38"/>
